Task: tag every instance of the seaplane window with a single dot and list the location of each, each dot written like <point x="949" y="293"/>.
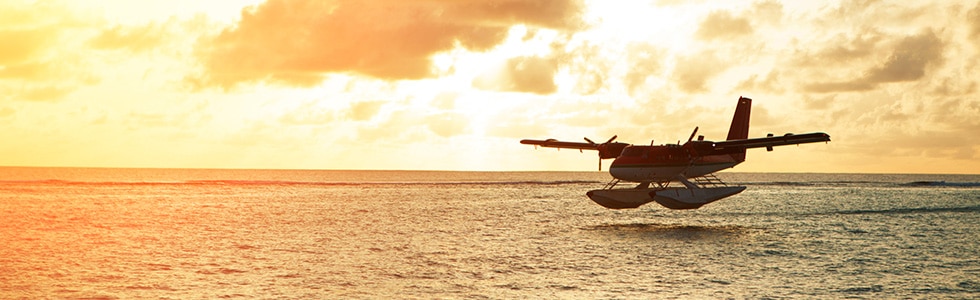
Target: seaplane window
<point x="632" y="151"/>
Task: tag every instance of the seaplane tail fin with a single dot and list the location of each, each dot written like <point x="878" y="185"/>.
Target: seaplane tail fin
<point x="740" y="124"/>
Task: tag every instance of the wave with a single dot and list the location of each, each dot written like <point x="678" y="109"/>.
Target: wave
<point x="780" y="183"/>
<point x="818" y="183"/>
<point x="911" y="210"/>
<point x="941" y="183"/>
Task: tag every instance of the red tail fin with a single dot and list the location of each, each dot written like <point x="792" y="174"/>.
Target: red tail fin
<point x="740" y="124"/>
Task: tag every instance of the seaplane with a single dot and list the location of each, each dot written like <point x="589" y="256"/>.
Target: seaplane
<point x="692" y="164"/>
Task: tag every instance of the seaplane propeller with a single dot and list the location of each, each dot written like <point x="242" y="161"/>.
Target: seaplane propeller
<point x="604" y="151"/>
<point x="692" y="134"/>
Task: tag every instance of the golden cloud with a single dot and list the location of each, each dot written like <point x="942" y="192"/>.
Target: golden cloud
<point x="34" y="66"/>
<point x="591" y="68"/>
<point x="137" y="39"/>
<point x="296" y="42"/>
<point x="693" y="72"/>
<point x="908" y="61"/>
<point x="973" y="20"/>
<point x="363" y="111"/>
<point x="722" y="24"/>
<point x="645" y="61"/>
<point x="521" y="74"/>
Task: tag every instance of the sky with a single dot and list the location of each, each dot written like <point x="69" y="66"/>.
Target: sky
<point x="454" y="85"/>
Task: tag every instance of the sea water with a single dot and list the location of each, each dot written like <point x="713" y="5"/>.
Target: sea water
<point x="192" y="234"/>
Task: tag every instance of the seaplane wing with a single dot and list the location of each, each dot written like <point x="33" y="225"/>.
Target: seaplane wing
<point x="609" y="149"/>
<point x="771" y="141"/>
<point x="553" y="143"/>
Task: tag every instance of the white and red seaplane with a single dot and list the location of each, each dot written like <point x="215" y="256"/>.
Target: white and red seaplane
<point x="692" y="164"/>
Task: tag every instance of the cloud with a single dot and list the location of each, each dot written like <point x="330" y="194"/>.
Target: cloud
<point x="136" y="39"/>
<point x="308" y="114"/>
<point x="588" y="65"/>
<point x="973" y="21"/>
<point x="530" y="74"/>
<point x="844" y="49"/>
<point x="45" y="92"/>
<point x="25" y="70"/>
<point x="770" y="83"/>
<point x="908" y="60"/>
<point x="769" y="12"/>
<point x="645" y="60"/>
<point x="6" y="112"/>
<point x="365" y="110"/>
<point x="447" y="124"/>
<point x="22" y="45"/>
<point x="28" y="35"/>
<point x="40" y="59"/>
<point x="445" y="100"/>
<point x="819" y="103"/>
<point x="692" y="72"/>
<point x="721" y="24"/>
<point x="844" y="86"/>
<point x="296" y="42"/>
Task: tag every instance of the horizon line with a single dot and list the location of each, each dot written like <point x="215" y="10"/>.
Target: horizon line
<point x="438" y="170"/>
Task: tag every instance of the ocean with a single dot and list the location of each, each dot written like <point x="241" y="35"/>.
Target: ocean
<point x="293" y="234"/>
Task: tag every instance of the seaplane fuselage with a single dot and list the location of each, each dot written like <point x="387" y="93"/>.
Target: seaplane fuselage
<point x="665" y="163"/>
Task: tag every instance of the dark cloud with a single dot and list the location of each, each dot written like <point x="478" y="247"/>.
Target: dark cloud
<point x="531" y="74"/>
<point x="908" y="60"/>
<point x="722" y="24"/>
<point x="846" y="49"/>
<point x="297" y="41"/>
<point x="973" y="21"/>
